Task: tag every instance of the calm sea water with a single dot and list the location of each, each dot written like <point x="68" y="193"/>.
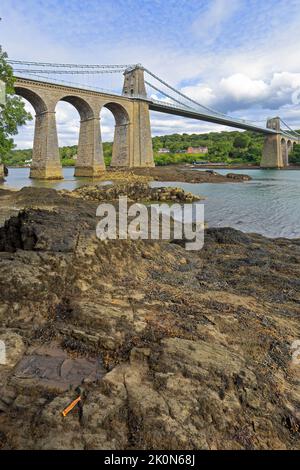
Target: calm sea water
<point x="19" y="178"/>
<point x="269" y="204"/>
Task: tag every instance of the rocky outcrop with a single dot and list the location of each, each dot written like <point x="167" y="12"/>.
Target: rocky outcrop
<point x="172" y="349"/>
<point x="238" y="177"/>
<point x="187" y="174"/>
<point x="141" y="192"/>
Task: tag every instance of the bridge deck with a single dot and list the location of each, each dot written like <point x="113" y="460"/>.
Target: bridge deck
<point x="209" y="118"/>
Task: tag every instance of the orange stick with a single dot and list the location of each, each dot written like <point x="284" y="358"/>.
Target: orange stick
<point x="71" y="406"/>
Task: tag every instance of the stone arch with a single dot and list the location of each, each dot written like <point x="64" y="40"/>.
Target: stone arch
<point x="119" y="112"/>
<point x="36" y="101"/>
<point x="121" y="144"/>
<point x="82" y="106"/>
<point x="89" y="160"/>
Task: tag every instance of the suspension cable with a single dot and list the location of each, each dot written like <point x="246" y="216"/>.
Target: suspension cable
<point x="168" y="96"/>
<point x="210" y="110"/>
<point x="52" y="64"/>
<point x="183" y="95"/>
<point x="73" y="72"/>
<point x="292" y="130"/>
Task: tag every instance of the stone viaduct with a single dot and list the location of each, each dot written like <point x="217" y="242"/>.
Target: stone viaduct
<point x="132" y="137"/>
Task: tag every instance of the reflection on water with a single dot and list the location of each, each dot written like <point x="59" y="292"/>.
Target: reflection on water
<point x="269" y="204"/>
<point x="19" y="177"/>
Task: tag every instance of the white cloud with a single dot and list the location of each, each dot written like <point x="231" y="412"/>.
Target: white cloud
<point x="202" y="93"/>
<point x="240" y="88"/>
<point x="160" y="124"/>
<point x="208" y="25"/>
<point x="239" y="92"/>
<point x="286" y="81"/>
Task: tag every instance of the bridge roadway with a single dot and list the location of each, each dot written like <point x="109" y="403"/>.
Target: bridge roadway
<point x="191" y="114"/>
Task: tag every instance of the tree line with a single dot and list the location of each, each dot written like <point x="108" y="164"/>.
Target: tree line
<point x="223" y="147"/>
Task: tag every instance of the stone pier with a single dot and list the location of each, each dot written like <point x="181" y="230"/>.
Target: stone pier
<point x="90" y="160"/>
<point x="45" y="154"/>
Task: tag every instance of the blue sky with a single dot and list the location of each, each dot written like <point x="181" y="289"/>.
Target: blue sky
<point x="238" y="56"/>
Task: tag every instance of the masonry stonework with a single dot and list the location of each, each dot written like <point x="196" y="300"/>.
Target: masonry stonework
<point x="90" y="161"/>
<point x="132" y="139"/>
<point x="45" y="154"/>
<point x="276" y="147"/>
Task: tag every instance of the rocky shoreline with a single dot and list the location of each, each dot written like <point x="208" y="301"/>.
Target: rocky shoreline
<point x="170" y="349"/>
<point x="184" y="173"/>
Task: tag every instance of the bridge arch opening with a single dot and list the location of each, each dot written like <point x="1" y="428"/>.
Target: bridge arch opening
<point x="83" y="107"/>
<point x="33" y="98"/>
<point x="116" y="143"/>
<point x="81" y="137"/>
<point x="67" y="119"/>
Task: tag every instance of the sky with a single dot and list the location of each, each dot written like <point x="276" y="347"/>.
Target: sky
<point x="240" y="57"/>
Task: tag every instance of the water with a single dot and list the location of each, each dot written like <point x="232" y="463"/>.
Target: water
<point x="269" y="204"/>
<point x="19" y="177"/>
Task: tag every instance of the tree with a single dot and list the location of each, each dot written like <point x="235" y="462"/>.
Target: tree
<point x="295" y="154"/>
<point x="241" y="141"/>
<point x="13" y="113"/>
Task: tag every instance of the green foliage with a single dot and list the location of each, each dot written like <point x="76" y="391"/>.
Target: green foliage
<point x="68" y="155"/>
<point x="179" y="142"/>
<point x="13" y="113"/>
<point x="172" y="158"/>
<point x="223" y="147"/>
<point x="295" y="154"/>
<point x="107" y="152"/>
<point x="241" y="141"/>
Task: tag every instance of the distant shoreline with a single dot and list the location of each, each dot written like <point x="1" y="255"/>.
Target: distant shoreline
<point x="242" y="167"/>
<point x="204" y="167"/>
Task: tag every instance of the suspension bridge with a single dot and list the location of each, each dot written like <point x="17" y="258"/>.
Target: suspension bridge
<point x="129" y="91"/>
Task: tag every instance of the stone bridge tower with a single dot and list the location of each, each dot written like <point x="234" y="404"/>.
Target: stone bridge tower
<point x="277" y="147"/>
<point x="134" y="87"/>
